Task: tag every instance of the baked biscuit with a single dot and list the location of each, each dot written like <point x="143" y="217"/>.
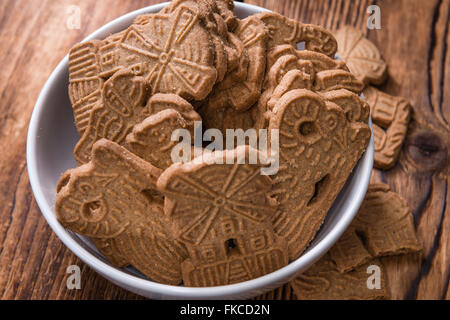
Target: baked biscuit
<point x="324" y="282"/>
<point x="114" y="197"/>
<point x="361" y="56"/>
<point x="391" y="116"/>
<point x="85" y="83"/>
<point x="318" y="149"/>
<point x="152" y="139"/>
<point x="283" y="30"/>
<point x="122" y="106"/>
<point x="222" y="213"/>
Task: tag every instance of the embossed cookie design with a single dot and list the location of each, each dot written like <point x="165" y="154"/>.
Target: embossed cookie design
<point x="362" y="57"/>
<point x="114" y="197"/>
<point x="173" y="52"/>
<point x="324" y="282"/>
<point x="122" y="107"/>
<point x="222" y="213"/>
<point x="215" y="16"/>
<point x="319" y="60"/>
<point x="160" y="102"/>
<point x="391" y="116"/>
<point x="349" y="252"/>
<point x="283" y="30"/>
<point x="355" y="108"/>
<point x="109" y="248"/>
<point x="241" y="95"/>
<point x="329" y="80"/>
<point x="85" y="83"/>
<point x="152" y="139"/>
<point x="318" y="150"/>
<point x="386" y="221"/>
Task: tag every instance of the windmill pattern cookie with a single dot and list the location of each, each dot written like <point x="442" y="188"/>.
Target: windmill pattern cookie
<point x="124" y="96"/>
<point x="173" y="52"/>
<point x="318" y="150"/>
<point x="391" y="116"/>
<point x="85" y="84"/>
<point x="362" y="57"/>
<point x="114" y="197"/>
<point x="152" y="139"/>
<point x="216" y="18"/>
<point x="222" y="214"/>
<point x="324" y="282"/>
<point x="283" y="30"/>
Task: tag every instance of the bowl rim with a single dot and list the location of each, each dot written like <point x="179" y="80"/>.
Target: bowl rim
<point x="127" y="280"/>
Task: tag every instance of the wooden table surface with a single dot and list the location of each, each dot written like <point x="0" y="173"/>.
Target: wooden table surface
<point x="414" y="40"/>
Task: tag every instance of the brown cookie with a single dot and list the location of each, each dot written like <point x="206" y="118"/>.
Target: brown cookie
<point x="301" y="76"/>
<point x="285" y="64"/>
<point x="114" y="197"/>
<point x="319" y="60"/>
<point x="221" y="57"/>
<point x="226" y="10"/>
<point x="214" y="15"/>
<point x="283" y="30"/>
<point x="85" y="84"/>
<point x="318" y="149"/>
<point x="324" y="282"/>
<point x="349" y="252"/>
<point x="391" y="116"/>
<point x="386" y="223"/>
<point x="226" y="119"/>
<point x="329" y="80"/>
<point x="361" y="55"/>
<point x="152" y="139"/>
<point x="122" y="106"/>
<point x="109" y="248"/>
<point x="286" y="60"/>
<point x="294" y="79"/>
<point x="238" y="66"/>
<point x="355" y="108"/>
<point x="222" y="213"/>
<point x="241" y="95"/>
<point x="160" y="102"/>
<point x="173" y="52"/>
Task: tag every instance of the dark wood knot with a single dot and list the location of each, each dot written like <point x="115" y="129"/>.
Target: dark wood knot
<point x="427" y="151"/>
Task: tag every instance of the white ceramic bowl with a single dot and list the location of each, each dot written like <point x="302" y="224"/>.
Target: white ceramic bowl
<point x="52" y="136"/>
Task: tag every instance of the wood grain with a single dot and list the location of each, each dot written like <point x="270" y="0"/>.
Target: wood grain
<point x="413" y="40"/>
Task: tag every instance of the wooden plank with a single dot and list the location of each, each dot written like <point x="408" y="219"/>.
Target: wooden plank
<point x="414" y="41"/>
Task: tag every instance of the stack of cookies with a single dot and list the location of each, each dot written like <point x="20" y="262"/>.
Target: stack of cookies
<point x="213" y="220"/>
